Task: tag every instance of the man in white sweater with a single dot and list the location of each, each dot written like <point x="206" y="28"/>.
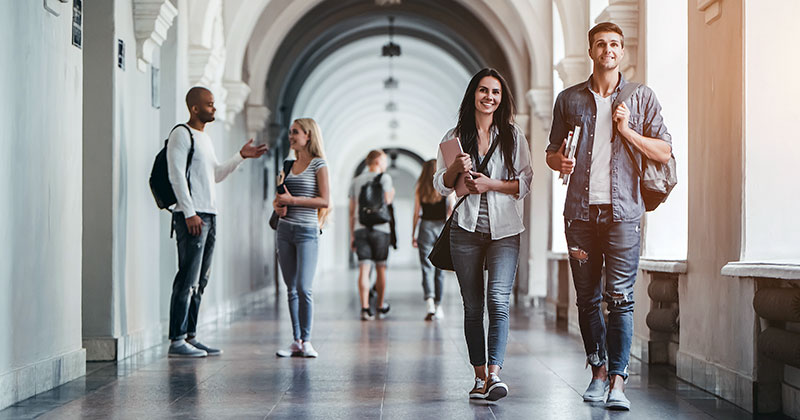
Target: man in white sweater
<point x="194" y="217"/>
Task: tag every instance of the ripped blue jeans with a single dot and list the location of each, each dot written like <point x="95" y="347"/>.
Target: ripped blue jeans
<point x="604" y="257"/>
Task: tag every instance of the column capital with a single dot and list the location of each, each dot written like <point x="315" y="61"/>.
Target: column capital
<point x="257" y="117"/>
<point x="151" y="21"/>
<point x="541" y="103"/>
<point x="573" y="69"/>
<point x="625" y="13"/>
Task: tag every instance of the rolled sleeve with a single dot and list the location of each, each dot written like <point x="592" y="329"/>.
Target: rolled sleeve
<point x="654" y="126"/>
<point x="558" y="130"/>
<point x="522" y="165"/>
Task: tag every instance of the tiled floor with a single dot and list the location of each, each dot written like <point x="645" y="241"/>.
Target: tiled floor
<point x="398" y="368"/>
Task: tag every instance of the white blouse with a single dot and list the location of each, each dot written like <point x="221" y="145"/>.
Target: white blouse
<point x="505" y="210"/>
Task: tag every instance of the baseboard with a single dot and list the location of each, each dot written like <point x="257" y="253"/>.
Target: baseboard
<point x="104" y="349"/>
<point x="33" y="379"/>
<point x="101" y="349"/>
<point x="716" y="379"/>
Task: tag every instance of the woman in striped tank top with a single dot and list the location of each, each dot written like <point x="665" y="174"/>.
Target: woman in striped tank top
<point x="302" y="208"/>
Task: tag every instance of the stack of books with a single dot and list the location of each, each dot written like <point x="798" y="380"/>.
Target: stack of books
<point x="569" y="150"/>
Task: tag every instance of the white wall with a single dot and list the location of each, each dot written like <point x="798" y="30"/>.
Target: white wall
<point x="130" y="306"/>
<point x="666" y="70"/>
<point x="771" y="230"/>
<point x="40" y="182"/>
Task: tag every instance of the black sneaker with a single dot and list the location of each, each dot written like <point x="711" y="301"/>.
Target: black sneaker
<point x="385" y="310"/>
<point x="366" y="314"/>
<point x="495" y="388"/>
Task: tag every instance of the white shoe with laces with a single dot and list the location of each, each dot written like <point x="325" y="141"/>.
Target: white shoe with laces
<point x="295" y="350"/>
<point x="308" y="350"/>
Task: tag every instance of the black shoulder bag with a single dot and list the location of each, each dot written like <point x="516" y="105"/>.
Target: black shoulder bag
<point x="656" y="179"/>
<point x="287" y="166"/>
<point x="440" y="255"/>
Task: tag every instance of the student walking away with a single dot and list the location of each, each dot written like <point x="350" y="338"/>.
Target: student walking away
<point x="194" y="217"/>
<point x="370" y="194"/>
<point x="487" y="225"/>
<point x="604" y="206"/>
<point x="431" y="210"/>
<point x="302" y="207"/>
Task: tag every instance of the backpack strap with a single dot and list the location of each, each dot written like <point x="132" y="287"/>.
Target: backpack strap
<point x="189" y="158"/>
<point x="624" y="94"/>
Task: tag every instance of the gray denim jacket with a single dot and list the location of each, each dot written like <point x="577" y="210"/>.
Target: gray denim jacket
<point x="576" y="106"/>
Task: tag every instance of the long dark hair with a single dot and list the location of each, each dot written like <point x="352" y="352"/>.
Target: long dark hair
<point x="503" y="120"/>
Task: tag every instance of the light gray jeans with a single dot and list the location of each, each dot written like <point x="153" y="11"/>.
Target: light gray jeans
<point x="432" y="277"/>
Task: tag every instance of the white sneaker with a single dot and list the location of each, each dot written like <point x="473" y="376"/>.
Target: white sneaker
<point x="295" y="350"/>
<point x="308" y="350"/>
<point x="431" y="309"/>
<point x="439" y="312"/>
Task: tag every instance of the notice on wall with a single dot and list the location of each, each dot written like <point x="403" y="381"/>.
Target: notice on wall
<point x="77" y="23"/>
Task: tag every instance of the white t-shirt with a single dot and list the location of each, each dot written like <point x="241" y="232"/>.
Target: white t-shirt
<point x="204" y="171"/>
<point x="600" y="176"/>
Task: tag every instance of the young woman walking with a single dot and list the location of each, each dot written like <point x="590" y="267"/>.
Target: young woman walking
<point x="486" y="227"/>
<point x="431" y="210"/>
<point x="303" y="207"/>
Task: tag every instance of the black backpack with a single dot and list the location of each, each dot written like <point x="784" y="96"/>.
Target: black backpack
<point x="159" y="175"/>
<point x="372" y="207"/>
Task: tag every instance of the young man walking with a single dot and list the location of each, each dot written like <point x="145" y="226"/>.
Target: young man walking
<point x="194" y="217"/>
<point x="371" y="241"/>
<point x="604" y="206"/>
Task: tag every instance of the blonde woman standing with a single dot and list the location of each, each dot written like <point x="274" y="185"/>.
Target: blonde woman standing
<point x="431" y="209"/>
<point x="302" y="208"/>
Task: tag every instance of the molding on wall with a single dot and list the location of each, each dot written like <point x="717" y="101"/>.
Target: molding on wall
<point x="27" y="381"/>
<point x="718" y="380"/>
<point x="151" y="21"/>
<point x="625" y="13"/>
<point x="711" y="8"/>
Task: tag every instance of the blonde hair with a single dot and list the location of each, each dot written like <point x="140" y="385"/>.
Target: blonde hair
<point x="316" y="148"/>
<point x="424" y="190"/>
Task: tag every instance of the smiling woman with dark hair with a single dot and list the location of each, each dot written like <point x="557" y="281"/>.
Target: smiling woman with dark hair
<point x="485" y="230"/>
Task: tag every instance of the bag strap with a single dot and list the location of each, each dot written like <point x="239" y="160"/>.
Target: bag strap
<point x="481" y="168"/>
<point x="189" y="157"/>
<point x="624" y="94"/>
<point x="287" y="166"/>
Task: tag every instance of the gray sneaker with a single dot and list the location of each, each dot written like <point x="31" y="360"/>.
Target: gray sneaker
<point x="596" y="391"/>
<point x="617" y="401"/>
<point x="211" y="351"/>
<point x="184" y="350"/>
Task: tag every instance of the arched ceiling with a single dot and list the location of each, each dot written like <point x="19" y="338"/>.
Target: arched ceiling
<point x="345" y="94"/>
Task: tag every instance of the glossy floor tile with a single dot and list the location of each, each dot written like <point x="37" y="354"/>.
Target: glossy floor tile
<point x="400" y="367"/>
